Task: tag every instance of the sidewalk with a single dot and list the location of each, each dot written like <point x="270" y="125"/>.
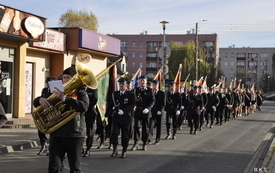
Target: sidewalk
<point x="18" y="139"/>
<point x="269" y="161"/>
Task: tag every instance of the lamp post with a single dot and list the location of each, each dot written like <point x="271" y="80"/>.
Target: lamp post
<point x="164" y="52"/>
<point x="268" y="83"/>
<point x="196" y="49"/>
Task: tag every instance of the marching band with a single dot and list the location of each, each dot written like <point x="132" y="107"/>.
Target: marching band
<point x="136" y="112"/>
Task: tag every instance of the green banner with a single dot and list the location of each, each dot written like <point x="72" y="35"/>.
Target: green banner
<point x="103" y="85"/>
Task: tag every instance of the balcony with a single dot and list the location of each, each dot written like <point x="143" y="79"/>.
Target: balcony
<point x="152" y="49"/>
<point x="154" y="59"/>
<point x="151" y="69"/>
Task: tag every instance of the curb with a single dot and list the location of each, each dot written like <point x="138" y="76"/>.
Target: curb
<point x="256" y="162"/>
<point x="19" y="147"/>
<point x="269" y="161"/>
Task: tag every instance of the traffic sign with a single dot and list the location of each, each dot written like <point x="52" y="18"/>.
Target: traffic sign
<point x="165" y="69"/>
<point x="167" y="52"/>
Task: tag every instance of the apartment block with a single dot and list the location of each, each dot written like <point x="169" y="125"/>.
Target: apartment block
<point x="142" y="50"/>
<point x="251" y="65"/>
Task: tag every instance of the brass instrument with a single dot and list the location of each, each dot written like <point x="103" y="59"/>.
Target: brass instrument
<point x="50" y="120"/>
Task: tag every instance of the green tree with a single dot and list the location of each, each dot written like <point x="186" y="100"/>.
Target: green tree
<point x="79" y="18"/>
<point x="185" y="55"/>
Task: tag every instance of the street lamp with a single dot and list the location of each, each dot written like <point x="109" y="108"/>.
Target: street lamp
<point x="196" y="49"/>
<point x="164" y="52"/>
<point x="268" y="84"/>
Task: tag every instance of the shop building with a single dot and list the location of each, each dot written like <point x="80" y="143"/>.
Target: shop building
<point x="29" y="53"/>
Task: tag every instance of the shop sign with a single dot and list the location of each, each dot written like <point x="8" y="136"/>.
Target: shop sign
<point x="18" y="23"/>
<point x="54" y="40"/>
<point x="98" y="42"/>
<point x="84" y="57"/>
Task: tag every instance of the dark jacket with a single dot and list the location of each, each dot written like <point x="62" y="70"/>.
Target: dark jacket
<point x="45" y="94"/>
<point x="236" y="100"/>
<point x="75" y="127"/>
<point x="144" y="99"/>
<point x="213" y="100"/>
<point x="159" y="101"/>
<point x="125" y="102"/>
<point x="195" y="103"/>
<point x="173" y="101"/>
<point x="184" y="100"/>
<point x="93" y="97"/>
<point x="223" y="100"/>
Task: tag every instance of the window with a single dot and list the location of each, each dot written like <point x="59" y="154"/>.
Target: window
<point x="133" y="54"/>
<point x="225" y="63"/>
<point x="152" y="65"/>
<point x="264" y="55"/>
<point x="208" y="44"/>
<point x="123" y="44"/>
<point x="140" y="54"/>
<point x="150" y="75"/>
<point x="232" y="55"/>
<point x="133" y="64"/>
<point x="140" y="64"/>
<point x="141" y="44"/>
<point x="152" y="55"/>
<point x="232" y="63"/>
<point x="225" y="55"/>
<point x="133" y="44"/>
<point x="152" y="44"/>
<point x="241" y="56"/>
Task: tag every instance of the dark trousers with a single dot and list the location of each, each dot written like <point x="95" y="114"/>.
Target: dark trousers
<point x="202" y="115"/>
<point x="143" y="120"/>
<point x="171" y="119"/>
<point x="58" y="147"/>
<point x="155" y="121"/>
<point x="227" y="112"/>
<point x="193" y="120"/>
<point x="90" y="131"/>
<point x="181" y="118"/>
<point x="131" y="130"/>
<point x="42" y="138"/>
<point x="124" y="128"/>
<point x="219" y="115"/>
<point x="211" y="115"/>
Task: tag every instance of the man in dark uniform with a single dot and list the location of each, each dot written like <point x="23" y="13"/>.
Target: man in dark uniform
<point x="123" y="102"/>
<point x="90" y="117"/>
<point x="45" y="94"/>
<point x="204" y="102"/>
<point x="145" y="100"/>
<point x="70" y="137"/>
<point x="211" y="106"/>
<point x="172" y="107"/>
<point x="131" y="131"/>
<point x="194" y="109"/>
<point x="183" y="108"/>
<point x="157" y="110"/>
<point x="221" y="106"/>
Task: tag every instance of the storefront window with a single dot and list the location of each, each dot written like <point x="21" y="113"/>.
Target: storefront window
<point x="6" y="78"/>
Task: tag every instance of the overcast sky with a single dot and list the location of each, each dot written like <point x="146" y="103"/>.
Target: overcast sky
<point x="249" y="23"/>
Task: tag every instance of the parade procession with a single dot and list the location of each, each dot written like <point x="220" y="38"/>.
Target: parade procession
<point x="134" y="111"/>
<point x="137" y="87"/>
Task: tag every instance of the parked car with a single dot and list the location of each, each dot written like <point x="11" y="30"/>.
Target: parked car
<point x="270" y="96"/>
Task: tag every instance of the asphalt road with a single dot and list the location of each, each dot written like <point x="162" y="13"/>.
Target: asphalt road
<point x="224" y="149"/>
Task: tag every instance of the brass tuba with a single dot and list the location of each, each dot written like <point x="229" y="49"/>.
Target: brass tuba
<point x="49" y="120"/>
